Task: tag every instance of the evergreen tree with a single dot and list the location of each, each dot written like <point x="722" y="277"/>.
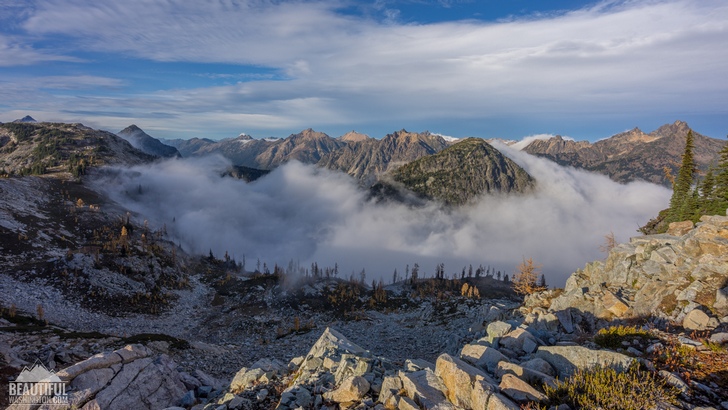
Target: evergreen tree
<point x="721" y="179"/>
<point x="682" y="197"/>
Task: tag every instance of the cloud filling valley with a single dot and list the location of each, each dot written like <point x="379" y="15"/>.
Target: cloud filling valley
<point x="305" y="213"/>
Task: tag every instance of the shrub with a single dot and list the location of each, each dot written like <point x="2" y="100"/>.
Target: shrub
<point x="613" y="336"/>
<point x="607" y="388"/>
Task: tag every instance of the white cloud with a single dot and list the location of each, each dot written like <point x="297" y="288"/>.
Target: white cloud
<point x="613" y="58"/>
<point x="16" y="53"/>
<point x="308" y="214"/>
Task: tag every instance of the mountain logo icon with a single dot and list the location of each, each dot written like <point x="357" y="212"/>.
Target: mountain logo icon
<point x="37" y="385"/>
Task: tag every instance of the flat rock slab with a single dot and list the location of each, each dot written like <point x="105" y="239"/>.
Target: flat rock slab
<point x="567" y="359"/>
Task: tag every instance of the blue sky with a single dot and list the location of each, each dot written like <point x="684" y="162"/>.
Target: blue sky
<point x="509" y="69"/>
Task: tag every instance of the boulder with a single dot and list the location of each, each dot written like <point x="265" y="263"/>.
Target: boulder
<point x="720" y="338"/>
<point x="696" y="319"/>
<point x="351" y="365"/>
<point x="352" y="389"/>
<point x="519" y="390"/>
<point x="459" y="378"/>
<point x="614" y="305"/>
<point x="485" y="357"/>
<point x="130" y="377"/>
<point x="567" y="359"/>
<point x="680" y="228"/>
<point x="496" y="330"/>
<point x="426" y="389"/>
<point x="405" y="403"/>
<point x="105" y="360"/>
<point x="331" y="340"/>
<point x="413" y="365"/>
<point x="391" y="385"/>
<point x="565" y="320"/>
<point x="539" y="365"/>
<point x="530" y="376"/>
<point x="499" y="402"/>
<point x="145" y="383"/>
<point x="485" y="398"/>
<point x="519" y="340"/>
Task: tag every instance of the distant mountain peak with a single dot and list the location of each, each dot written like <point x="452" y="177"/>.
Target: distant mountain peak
<point x="130" y="129"/>
<point x="27" y="118"/>
<point x="244" y="136"/>
<point x="309" y="133"/>
<point x="353" y="136"/>
<point x="146" y="143"/>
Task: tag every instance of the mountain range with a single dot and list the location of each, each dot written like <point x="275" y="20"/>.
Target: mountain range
<point x="400" y="160"/>
<point x="631" y="155"/>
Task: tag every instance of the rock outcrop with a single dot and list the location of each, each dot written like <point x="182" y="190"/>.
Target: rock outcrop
<point x="128" y="378"/>
<point x="671" y="275"/>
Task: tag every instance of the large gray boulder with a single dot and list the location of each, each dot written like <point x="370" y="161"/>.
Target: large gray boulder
<point x="484" y="357"/>
<point x="567" y="359"/>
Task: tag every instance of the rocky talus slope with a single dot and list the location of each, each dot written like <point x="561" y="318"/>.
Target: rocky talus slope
<point x="681" y="275"/>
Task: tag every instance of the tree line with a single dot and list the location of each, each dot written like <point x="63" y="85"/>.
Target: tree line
<point x="693" y="197"/>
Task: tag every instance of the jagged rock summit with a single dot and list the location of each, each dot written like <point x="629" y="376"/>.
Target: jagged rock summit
<point x="367" y="159"/>
<point x="353" y="136"/>
<point x="146" y="143"/>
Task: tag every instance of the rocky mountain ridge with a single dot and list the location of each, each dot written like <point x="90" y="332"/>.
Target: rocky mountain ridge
<point x="631" y="155"/>
<point x="40" y="148"/>
<point x="368" y="159"/>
